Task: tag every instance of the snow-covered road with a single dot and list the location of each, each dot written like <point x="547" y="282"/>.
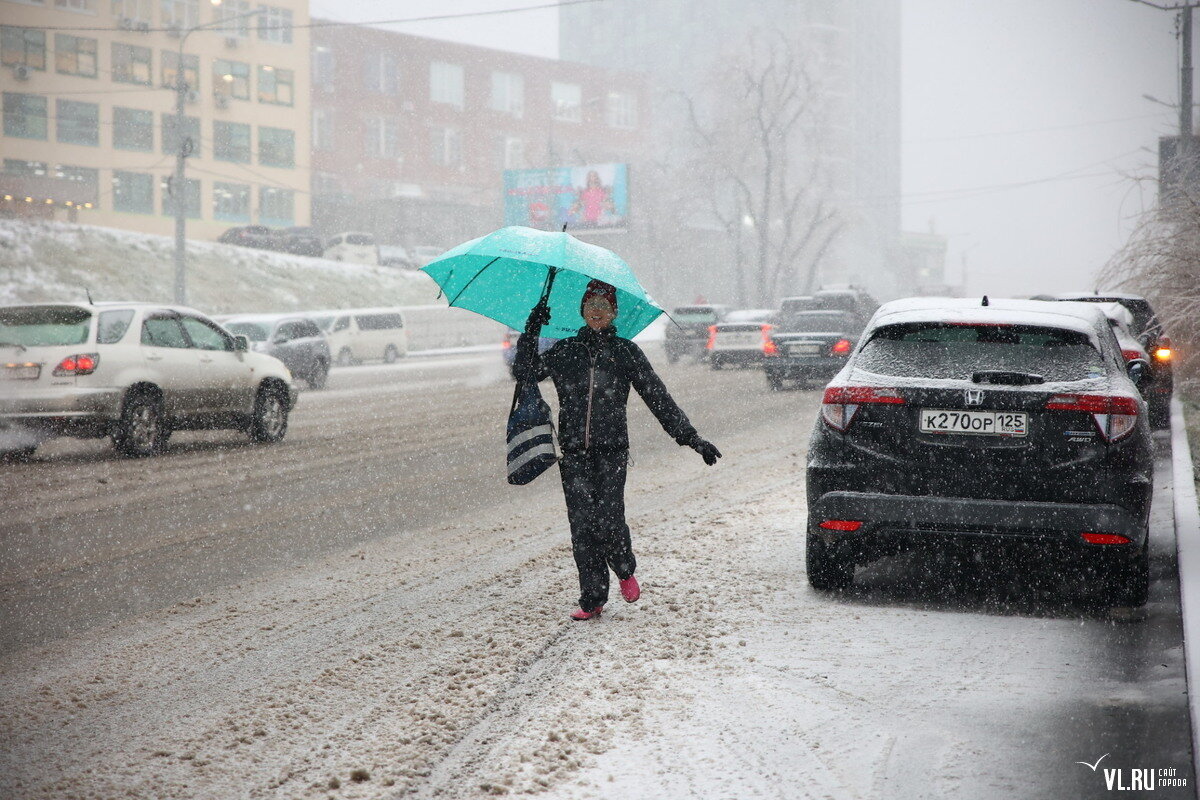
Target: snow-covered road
<point x="382" y="640"/>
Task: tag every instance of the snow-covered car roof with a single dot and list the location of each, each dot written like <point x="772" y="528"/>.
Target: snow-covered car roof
<point x="749" y="314"/>
<point x="1082" y="317"/>
<point x="1114" y="295"/>
<point x="111" y="304"/>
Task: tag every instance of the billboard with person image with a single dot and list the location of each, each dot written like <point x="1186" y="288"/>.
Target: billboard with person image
<point x="593" y="197"/>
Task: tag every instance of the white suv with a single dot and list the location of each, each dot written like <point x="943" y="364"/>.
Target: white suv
<point x="132" y="371"/>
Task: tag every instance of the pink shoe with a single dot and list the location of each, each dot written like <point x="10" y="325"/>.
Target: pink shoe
<point x="580" y="615"/>
<point x="630" y="589"/>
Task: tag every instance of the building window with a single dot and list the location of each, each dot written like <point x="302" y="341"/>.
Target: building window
<point x="566" y="100"/>
<point x="74" y="55"/>
<point x="328" y="186"/>
<point x="275" y="206"/>
<point x="231" y="142"/>
<point x="191" y="197"/>
<point x="276" y="86"/>
<point x="133" y="14"/>
<point x="380" y="73"/>
<point x="231" y="202"/>
<point x="133" y="192"/>
<point x="82" y="6"/>
<point x="131" y="64"/>
<point x="191" y="135"/>
<point x="170" y="68"/>
<point x="180" y="14"/>
<point x="508" y="93"/>
<point x="133" y="129"/>
<point x="383" y="137"/>
<point x="236" y="16"/>
<point x="78" y="123"/>
<point x="22" y="47"/>
<point x="512" y="152"/>
<point x="276" y="147"/>
<point x="274" y="25"/>
<point x="621" y="110"/>
<point x="25" y="116"/>
<point x="86" y="177"/>
<point x="322" y="130"/>
<point x="26" y="169"/>
<point x="231" y="78"/>
<point x="322" y="67"/>
<point x="446" y="150"/>
<point x="446" y="83"/>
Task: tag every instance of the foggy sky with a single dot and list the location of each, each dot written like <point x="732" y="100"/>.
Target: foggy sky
<point x="996" y="93"/>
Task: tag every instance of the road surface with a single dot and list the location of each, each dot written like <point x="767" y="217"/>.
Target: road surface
<point x="368" y="610"/>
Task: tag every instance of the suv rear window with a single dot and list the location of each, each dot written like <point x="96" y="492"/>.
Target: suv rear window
<point x="692" y="315"/>
<point x="43" y="326"/>
<point x="957" y="351"/>
<point x="379" y="322"/>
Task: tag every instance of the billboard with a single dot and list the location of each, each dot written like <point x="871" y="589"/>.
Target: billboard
<point x="594" y="197"/>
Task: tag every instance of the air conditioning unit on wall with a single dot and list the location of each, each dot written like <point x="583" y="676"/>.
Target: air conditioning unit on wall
<point x="221" y="100"/>
<point x="20" y="72"/>
<point x="231" y="42"/>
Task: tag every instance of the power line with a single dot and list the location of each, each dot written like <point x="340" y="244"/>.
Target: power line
<point x="1031" y="130"/>
<point x="336" y="24"/>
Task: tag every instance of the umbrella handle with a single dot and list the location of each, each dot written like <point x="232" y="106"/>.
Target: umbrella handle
<point x="549" y="285"/>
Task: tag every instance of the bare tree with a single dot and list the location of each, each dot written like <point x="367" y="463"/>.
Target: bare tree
<point x="1162" y="261"/>
<point x="760" y="164"/>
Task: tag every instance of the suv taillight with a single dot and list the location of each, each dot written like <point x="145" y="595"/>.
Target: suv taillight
<point x="1114" y="416"/>
<point x="1162" y="349"/>
<point x="1130" y="355"/>
<point x="79" y="364"/>
<point x="841" y="402"/>
<point x="841" y="347"/>
<point x="769" y="347"/>
<point x="712" y="337"/>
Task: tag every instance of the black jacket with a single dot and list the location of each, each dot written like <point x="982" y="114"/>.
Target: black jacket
<point x="592" y="372"/>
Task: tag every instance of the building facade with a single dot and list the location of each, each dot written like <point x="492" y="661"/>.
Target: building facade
<point x="853" y="51"/>
<point x="412" y="136"/>
<point x="89" y="112"/>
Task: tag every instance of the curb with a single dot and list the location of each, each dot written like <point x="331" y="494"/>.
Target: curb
<point x="1187" y="542"/>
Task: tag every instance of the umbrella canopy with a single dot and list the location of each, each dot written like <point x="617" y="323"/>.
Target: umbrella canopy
<point x="502" y="275"/>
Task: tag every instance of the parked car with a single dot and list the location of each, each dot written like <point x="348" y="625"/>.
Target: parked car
<point x="1153" y="338"/>
<point x="357" y="248"/>
<point x="509" y="346"/>
<point x="301" y="241"/>
<point x="687" y="331"/>
<point x="135" y="372"/>
<point x="295" y="340"/>
<point x="422" y="254"/>
<point x="740" y="338"/>
<point x="809" y="345"/>
<point x="1016" y="425"/>
<point x="394" y="255"/>
<point x="259" y="237"/>
<point x="364" y="334"/>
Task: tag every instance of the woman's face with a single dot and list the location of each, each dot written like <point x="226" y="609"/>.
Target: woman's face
<point x="598" y="313"/>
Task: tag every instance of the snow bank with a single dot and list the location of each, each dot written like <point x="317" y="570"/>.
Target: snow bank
<point x="54" y="261"/>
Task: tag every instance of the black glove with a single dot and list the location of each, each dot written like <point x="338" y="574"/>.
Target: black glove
<point x="707" y="450"/>
<point x="538" y="317"/>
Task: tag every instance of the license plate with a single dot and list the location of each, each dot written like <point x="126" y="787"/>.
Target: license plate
<point x="20" y="372"/>
<point x="729" y="339"/>
<point x="804" y="348"/>
<point x="985" y="423"/>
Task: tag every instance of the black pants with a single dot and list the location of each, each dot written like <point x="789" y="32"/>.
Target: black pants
<point x="594" y="488"/>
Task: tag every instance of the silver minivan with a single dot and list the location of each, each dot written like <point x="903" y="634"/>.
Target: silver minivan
<point x="364" y="334"/>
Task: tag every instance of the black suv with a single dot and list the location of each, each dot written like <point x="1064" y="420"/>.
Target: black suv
<point x="1016" y="424"/>
<point x="1149" y="332"/>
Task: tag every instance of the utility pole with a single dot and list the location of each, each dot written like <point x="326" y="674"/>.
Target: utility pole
<point x="184" y="147"/>
<point x="1185" y="86"/>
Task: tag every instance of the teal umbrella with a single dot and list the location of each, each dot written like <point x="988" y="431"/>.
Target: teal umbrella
<point x="502" y="276"/>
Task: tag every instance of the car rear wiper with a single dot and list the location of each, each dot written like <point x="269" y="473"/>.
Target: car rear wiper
<point x="13" y="344"/>
<point x="1005" y="378"/>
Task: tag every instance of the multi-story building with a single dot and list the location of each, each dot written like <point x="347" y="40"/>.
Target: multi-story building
<point x="411" y="136"/>
<point x="89" y="111"/>
<point x="853" y="52"/>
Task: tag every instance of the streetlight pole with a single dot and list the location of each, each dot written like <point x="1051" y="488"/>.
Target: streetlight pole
<point x="183" y="148"/>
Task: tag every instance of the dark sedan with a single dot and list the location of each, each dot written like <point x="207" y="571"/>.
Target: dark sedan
<point x="1013" y="427"/>
<point x="809" y="345"/>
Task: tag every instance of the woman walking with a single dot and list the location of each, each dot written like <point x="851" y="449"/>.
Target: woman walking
<point x="592" y="372"/>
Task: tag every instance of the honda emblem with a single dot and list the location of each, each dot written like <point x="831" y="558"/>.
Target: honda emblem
<point x="974" y="397"/>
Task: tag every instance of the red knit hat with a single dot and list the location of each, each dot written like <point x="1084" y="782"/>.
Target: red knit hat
<point x="599" y="289"/>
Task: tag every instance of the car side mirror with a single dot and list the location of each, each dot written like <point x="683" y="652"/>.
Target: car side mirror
<point x="1139" y="371"/>
<point x="279" y="338"/>
<point x="240" y="344"/>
